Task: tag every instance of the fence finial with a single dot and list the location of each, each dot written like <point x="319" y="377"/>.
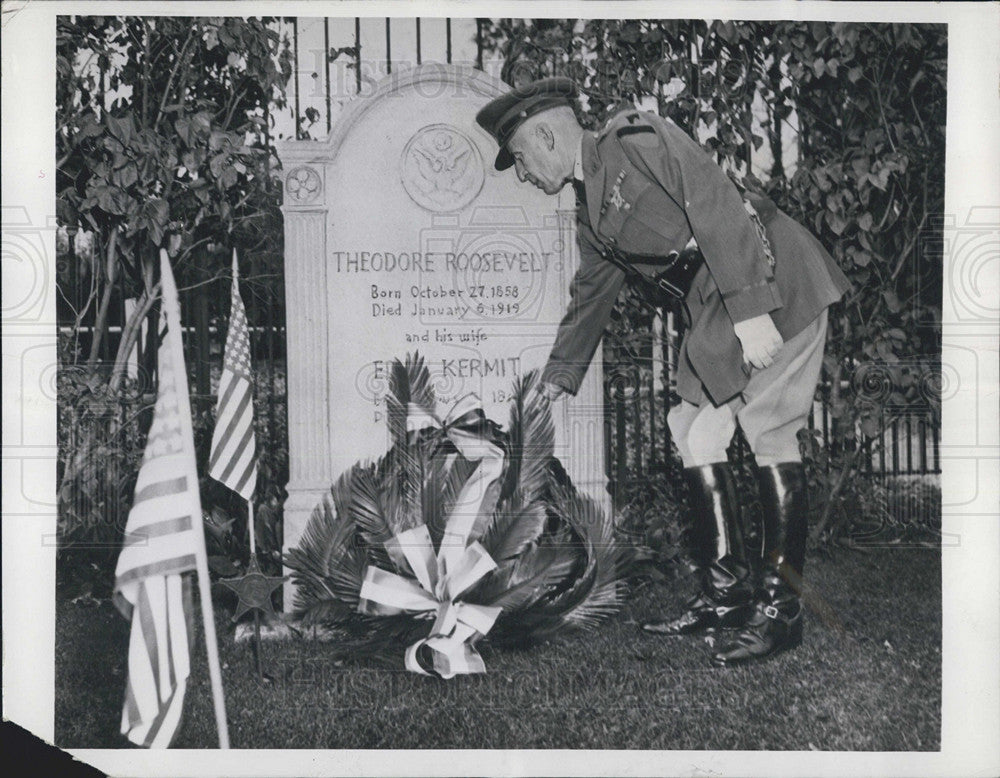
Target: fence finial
<point x="236" y="267"/>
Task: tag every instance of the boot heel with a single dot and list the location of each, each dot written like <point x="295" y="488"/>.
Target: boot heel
<point x="733" y="616"/>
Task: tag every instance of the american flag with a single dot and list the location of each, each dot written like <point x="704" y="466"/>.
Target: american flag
<point x="233" y="460"/>
<point x="152" y="580"/>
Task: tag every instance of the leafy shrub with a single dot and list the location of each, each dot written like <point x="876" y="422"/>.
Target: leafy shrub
<point x="101" y="442"/>
<point x="898" y="510"/>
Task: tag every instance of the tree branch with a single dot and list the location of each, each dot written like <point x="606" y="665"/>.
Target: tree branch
<point x="130" y="334"/>
<point x="173" y="74"/>
<point x="101" y="319"/>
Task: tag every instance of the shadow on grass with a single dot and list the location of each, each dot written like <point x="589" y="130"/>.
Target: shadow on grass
<point x="868" y="677"/>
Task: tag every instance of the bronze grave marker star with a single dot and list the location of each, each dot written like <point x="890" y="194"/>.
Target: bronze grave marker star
<point x="254" y="590"/>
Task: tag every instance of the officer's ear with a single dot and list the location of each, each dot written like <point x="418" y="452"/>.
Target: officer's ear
<point x="544" y="134"/>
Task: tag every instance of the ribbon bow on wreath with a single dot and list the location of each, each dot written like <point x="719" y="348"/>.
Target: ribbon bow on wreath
<point x="439" y="579"/>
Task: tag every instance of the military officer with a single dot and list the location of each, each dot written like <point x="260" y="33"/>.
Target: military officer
<point x="655" y="210"/>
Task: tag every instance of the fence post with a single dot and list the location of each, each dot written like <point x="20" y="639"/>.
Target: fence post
<point x="621" y="446"/>
<point x="202" y="335"/>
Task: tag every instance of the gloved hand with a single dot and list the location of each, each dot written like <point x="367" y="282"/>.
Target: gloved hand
<point x="760" y="340"/>
<point x="549" y="391"/>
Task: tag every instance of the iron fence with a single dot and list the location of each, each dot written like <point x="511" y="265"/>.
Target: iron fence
<point x="639" y="386"/>
<point x="640" y="389"/>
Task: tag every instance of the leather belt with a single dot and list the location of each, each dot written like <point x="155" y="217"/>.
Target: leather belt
<point x="680" y="267"/>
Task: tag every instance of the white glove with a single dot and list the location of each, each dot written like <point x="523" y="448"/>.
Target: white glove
<point x="760" y="339"/>
<point x="549" y="391"/>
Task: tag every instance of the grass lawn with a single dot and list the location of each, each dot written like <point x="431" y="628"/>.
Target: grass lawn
<point x="868" y="677"/>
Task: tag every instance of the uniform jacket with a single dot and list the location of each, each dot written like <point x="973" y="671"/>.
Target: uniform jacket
<point x="650" y="188"/>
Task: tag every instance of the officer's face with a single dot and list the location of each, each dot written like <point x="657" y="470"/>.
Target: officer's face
<point x="536" y="160"/>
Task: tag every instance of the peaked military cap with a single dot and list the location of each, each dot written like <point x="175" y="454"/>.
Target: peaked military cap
<point x="503" y="115"/>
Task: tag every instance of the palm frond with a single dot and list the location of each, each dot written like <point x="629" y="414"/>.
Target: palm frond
<point x="323" y="611"/>
<point x="584" y="515"/>
<point x="382" y="635"/>
<point x="400" y="476"/>
<point x="368" y="512"/>
<point x="530" y="442"/>
<point x="326" y="565"/>
<point x="444" y="478"/>
<point x="514" y="527"/>
<point x="601" y="602"/>
<point x="340" y="492"/>
<point x="598" y="592"/>
<point x="409" y="382"/>
<point x="519" y="582"/>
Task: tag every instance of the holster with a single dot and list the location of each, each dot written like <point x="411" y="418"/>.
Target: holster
<point x="673" y="282"/>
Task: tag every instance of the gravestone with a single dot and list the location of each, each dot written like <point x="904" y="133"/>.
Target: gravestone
<point x="400" y="237"/>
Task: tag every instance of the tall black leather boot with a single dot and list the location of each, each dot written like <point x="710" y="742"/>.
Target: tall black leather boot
<point x="776" y="624"/>
<point x="725" y="599"/>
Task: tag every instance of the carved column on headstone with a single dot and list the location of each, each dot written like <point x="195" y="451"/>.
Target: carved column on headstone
<point x="581" y="435"/>
<point x="306" y="220"/>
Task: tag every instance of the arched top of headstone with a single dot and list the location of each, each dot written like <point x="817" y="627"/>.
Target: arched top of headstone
<point x="429" y="77"/>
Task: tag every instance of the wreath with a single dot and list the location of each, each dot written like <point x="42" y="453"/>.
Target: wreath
<point x="463" y="531"/>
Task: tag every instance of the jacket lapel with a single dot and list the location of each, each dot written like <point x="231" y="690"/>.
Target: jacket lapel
<point x="593" y="178"/>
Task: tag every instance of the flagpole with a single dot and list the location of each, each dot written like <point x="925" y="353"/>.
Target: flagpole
<point x="250" y="524"/>
<point x="256" y="613"/>
<point x="251" y="527"/>
<point x="172" y="308"/>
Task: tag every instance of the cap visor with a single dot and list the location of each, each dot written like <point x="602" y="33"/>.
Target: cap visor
<point x="504" y="159"/>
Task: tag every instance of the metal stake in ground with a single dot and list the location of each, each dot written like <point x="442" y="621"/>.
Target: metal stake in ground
<point x="254" y="591"/>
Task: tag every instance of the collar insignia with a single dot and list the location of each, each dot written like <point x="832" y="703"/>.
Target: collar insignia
<point x="616" y="194"/>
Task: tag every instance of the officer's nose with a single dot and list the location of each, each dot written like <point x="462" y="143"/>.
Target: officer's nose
<point x="519" y="169"/>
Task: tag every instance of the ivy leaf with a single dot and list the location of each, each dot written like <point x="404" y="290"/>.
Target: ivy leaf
<point x="630" y="33"/>
<point x="870" y="427"/>
<point x="89" y="128"/>
<point x="880" y="178"/>
<point x="216" y="163"/>
<point x="218" y="140"/>
<point x="183" y="128"/>
<point x="105" y="201"/>
<point x="865" y="221"/>
<point x="229" y="177"/>
<point x="121" y="128"/>
<point x="885" y="350"/>
<point x="854" y="74"/>
<point x="891" y="300"/>
<point x="201" y="124"/>
<point x="727" y="31"/>
<point x="837" y="222"/>
<point x="160" y="210"/>
<point x="192" y="160"/>
<point x="822" y="179"/>
<point x="127" y="176"/>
